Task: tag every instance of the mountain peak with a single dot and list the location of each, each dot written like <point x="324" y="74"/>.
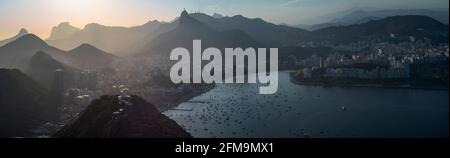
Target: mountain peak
<point x="184" y="14"/>
<point x="85" y="48"/>
<point x="217" y="16"/>
<point x="92" y="26"/>
<point x="184" y="17"/>
<point x="64" y="24"/>
<point x="29" y="39"/>
<point x="238" y="16"/>
<point x="22" y="31"/>
<point x="150" y="22"/>
<point x="63" y="30"/>
<point x="87" y="56"/>
<point x="188" y="22"/>
<point x="42" y="58"/>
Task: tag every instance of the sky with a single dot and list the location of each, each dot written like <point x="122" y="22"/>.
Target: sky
<point x="39" y="16"/>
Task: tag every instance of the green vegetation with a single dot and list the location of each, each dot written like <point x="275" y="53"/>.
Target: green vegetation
<point x="109" y="117"/>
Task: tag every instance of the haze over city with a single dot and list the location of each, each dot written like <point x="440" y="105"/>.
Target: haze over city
<point x="40" y="16"/>
<point x="224" y="69"/>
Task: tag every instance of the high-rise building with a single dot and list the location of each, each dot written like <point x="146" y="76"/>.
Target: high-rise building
<point x="58" y="81"/>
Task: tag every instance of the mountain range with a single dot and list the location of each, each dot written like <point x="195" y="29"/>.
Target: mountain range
<point x="211" y="31"/>
<point x="271" y="35"/>
<point x="263" y="32"/>
<point x="158" y="38"/>
<point x="112" y="39"/>
<point x="26" y="98"/>
<point x="18" y="53"/>
<point x="20" y="34"/>
<point x="190" y="29"/>
<point x="363" y="15"/>
<point x="123" y="41"/>
<point x="62" y="31"/>
<point x="396" y="29"/>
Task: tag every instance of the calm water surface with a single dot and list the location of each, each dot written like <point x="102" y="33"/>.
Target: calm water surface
<point x="295" y="111"/>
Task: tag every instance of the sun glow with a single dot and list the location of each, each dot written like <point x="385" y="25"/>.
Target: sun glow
<point x="39" y="16"/>
<point x="79" y="7"/>
<point x="74" y="3"/>
<point x="81" y="12"/>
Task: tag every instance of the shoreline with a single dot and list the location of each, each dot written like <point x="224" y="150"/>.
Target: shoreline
<point x="205" y="89"/>
<point x="184" y="98"/>
<point x="374" y="86"/>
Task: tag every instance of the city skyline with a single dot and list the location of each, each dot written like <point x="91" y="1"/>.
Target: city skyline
<point x="39" y="17"/>
<point x="261" y="69"/>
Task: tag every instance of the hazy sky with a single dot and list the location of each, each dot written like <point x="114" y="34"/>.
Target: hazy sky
<point x="39" y="16"/>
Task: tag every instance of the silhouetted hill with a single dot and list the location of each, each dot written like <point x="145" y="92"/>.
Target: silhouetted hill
<point x="17" y="54"/>
<point x="20" y="34"/>
<point x="190" y="29"/>
<point x="42" y="67"/>
<point x="263" y="32"/>
<point x="364" y="14"/>
<point x="397" y="28"/>
<point x="258" y="30"/>
<point x="24" y="104"/>
<point x="139" y="45"/>
<point x="346" y="23"/>
<point x="109" y="117"/>
<point x="27" y="41"/>
<point x="62" y="31"/>
<point x="357" y="15"/>
<point x="109" y="38"/>
<point x="87" y="56"/>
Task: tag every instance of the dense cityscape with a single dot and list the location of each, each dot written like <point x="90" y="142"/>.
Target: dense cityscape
<point x="361" y="73"/>
<point x="380" y="61"/>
